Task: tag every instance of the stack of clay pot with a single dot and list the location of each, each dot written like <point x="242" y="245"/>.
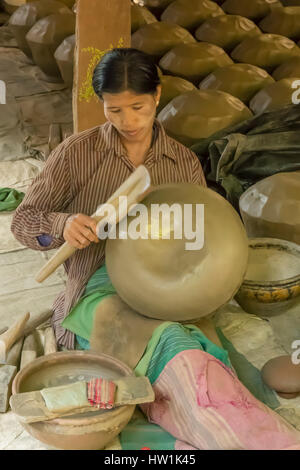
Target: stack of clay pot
<point x="40" y="28"/>
<point x="222" y="61"/>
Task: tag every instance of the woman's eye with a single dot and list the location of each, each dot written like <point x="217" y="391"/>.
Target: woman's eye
<point x="136" y="108"/>
<point x="117" y="111"/>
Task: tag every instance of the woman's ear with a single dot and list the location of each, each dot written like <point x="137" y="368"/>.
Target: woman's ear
<point x="158" y="94"/>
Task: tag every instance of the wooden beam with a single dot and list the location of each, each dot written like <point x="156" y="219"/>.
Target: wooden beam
<point x="100" y="26"/>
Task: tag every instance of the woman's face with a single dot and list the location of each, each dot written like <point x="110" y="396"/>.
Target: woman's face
<point x="131" y="114"/>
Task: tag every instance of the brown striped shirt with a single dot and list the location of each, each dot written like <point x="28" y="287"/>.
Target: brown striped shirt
<point x="79" y="175"/>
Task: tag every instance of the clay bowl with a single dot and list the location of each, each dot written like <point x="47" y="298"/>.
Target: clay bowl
<point x="272" y="280"/>
<point x="86" y="431"/>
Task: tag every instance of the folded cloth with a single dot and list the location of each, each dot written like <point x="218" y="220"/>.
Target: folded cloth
<point x="10" y="199"/>
<point x="101" y="393"/>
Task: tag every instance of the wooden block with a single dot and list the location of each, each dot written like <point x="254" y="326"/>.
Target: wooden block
<point x="31" y="349"/>
<point x="100" y="25"/>
<point x="7" y="374"/>
<point x="50" y="345"/>
<point x="14" y="354"/>
<point x="30" y="407"/>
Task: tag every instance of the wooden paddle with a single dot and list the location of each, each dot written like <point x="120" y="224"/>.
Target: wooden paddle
<point x="134" y="188"/>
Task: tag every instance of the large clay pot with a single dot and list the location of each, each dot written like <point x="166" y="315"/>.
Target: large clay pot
<point x="274" y="96"/>
<point x="254" y="9"/>
<point x="161" y="278"/>
<point x="190" y="13"/>
<point x="45" y="37"/>
<point x="27" y="15"/>
<point x="194" y="61"/>
<point x="266" y="51"/>
<point x="227" y="31"/>
<point x="172" y="87"/>
<point x="64" y="56"/>
<point x="140" y="16"/>
<point x="198" y="114"/>
<point x="290" y="68"/>
<point x="157" y="6"/>
<point x="158" y="38"/>
<point x="86" y="431"/>
<point x="284" y="21"/>
<point x="271" y="207"/>
<point x="240" y="80"/>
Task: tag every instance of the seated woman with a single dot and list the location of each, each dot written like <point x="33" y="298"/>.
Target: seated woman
<point x="199" y="399"/>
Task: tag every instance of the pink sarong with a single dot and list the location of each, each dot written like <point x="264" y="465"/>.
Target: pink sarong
<point x="201" y="402"/>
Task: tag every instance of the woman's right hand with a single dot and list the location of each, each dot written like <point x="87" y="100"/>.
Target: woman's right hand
<point x="80" y="231"/>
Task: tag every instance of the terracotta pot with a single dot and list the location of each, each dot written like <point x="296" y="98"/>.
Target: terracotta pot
<point x="87" y="431"/>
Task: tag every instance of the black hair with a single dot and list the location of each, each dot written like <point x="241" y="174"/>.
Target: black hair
<point x="124" y="69"/>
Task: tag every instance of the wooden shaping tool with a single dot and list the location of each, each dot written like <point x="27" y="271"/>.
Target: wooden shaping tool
<point x="31" y="407"/>
<point x="134" y="188"/>
<point x="15" y="332"/>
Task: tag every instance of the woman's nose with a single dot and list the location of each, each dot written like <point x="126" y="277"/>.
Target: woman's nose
<point x="128" y="119"/>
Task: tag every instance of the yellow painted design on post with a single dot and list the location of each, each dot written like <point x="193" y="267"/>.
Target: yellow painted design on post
<point x="86" y="91"/>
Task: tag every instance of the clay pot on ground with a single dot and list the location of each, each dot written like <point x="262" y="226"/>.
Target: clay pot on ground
<point x="194" y="61"/>
<point x="284" y="21"/>
<point x="254" y="9"/>
<point x="172" y="87"/>
<point x="158" y="38"/>
<point x="45" y="37"/>
<point x="267" y="51"/>
<point x="271" y="207"/>
<point x="64" y="56"/>
<point x="159" y="277"/>
<point x="240" y="80"/>
<point x="283" y="376"/>
<point x="190" y="13"/>
<point x="157" y="6"/>
<point x="227" y="31"/>
<point x="274" y="96"/>
<point x="290" y="68"/>
<point x="22" y="20"/>
<point x="140" y="16"/>
<point x="198" y="114"/>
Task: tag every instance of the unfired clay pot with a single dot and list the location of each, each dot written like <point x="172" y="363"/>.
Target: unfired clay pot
<point x="157" y="6"/>
<point x="254" y="9"/>
<point x="45" y="37"/>
<point x="158" y="38"/>
<point x="140" y="16"/>
<point x="161" y="278"/>
<point x="194" y="61"/>
<point x="190" y="13"/>
<point x="86" y="431"/>
<point x="27" y="15"/>
<point x="290" y="68"/>
<point x="274" y="96"/>
<point x="64" y="56"/>
<point x="240" y="80"/>
<point x="282" y="375"/>
<point x="272" y="281"/>
<point x="271" y="207"/>
<point x="172" y="87"/>
<point x="198" y="114"/>
<point x="266" y="51"/>
<point x="284" y="21"/>
<point x="227" y="31"/>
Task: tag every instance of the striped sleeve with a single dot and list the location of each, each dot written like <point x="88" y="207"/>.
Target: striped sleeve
<point x="42" y="209"/>
<point x="197" y="172"/>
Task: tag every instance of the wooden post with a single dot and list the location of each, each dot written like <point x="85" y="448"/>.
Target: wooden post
<point x="100" y="25"/>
